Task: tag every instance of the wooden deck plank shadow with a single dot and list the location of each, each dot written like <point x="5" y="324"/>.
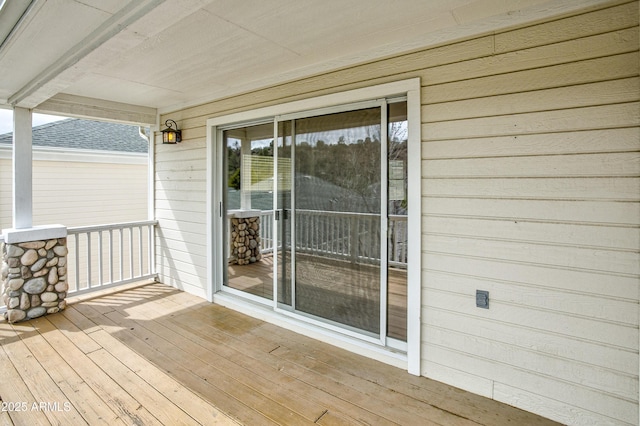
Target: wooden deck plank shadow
<point x="154" y="355"/>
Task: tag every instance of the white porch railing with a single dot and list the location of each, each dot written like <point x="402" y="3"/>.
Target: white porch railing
<point x="102" y="256"/>
<point x="344" y="235"/>
<point x="107" y="255"/>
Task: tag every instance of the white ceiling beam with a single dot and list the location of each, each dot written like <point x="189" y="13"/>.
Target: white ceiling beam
<point x="116" y="23"/>
<point x="82" y="107"/>
<point x="15" y="19"/>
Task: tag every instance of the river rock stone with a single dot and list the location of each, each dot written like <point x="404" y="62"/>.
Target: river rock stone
<point x="32" y="244"/>
<point x="15" y="315"/>
<point x="53" y="276"/>
<point x="62" y="287"/>
<point x="25" y="301"/>
<point x="60" y="250"/>
<point x="14" y="302"/>
<point x="14" y="251"/>
<point x="25" y="272"/>
<point x="15" y="283"/>
<point x="40" y="273"/>
<point x="36" y="312"/>
<point x="29" y="258"/>
<point x="39" y="264"/>
<point x="48" y="297"/>
<point x="35" y="286"/>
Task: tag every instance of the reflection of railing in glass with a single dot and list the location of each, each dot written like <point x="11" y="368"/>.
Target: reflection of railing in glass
<point x="341" y="235"/>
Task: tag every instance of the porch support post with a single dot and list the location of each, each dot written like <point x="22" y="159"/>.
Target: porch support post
<point x="245" y="174"/>
<point x="22" y="169"/>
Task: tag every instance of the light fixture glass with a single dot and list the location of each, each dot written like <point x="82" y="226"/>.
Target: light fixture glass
<point x="171" y="135"/>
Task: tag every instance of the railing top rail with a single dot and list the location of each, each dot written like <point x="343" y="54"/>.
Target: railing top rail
<point x="106" y="227"/>
<point x="333" y="213"/>
<point x="398" y="217"/>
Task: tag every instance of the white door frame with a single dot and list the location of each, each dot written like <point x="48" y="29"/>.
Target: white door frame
<point x="409" y="88"/>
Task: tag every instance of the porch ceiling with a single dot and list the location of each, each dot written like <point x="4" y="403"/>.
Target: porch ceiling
<point x="167" y="54"/>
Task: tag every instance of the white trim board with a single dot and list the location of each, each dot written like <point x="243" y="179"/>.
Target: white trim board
<point x="409" y="88"/>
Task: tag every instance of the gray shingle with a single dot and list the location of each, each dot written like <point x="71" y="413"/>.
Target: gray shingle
<point x="75" y="133"/>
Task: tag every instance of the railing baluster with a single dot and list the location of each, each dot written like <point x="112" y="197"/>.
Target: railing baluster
<point x="100" y="258"/>
<point x="77" y="265"/>
<point x="88" y="259"/>
<point x="150" y="241"/>
<point x="110" y="255"/>
<point x="121" y="233"/>
<point x="140" y="250"/>
<point x="130" y="252"/>
<point x="353" y="243"/>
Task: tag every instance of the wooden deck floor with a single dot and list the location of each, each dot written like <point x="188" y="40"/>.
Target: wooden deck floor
<point x="335" y="290"/>
<point x="152" y="355"/>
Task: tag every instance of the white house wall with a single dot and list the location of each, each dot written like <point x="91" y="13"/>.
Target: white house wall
<point x="80" y="189"/>
<point x="530" y="190"/>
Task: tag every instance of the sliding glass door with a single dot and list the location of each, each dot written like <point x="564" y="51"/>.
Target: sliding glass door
<point x="314" y="216"/>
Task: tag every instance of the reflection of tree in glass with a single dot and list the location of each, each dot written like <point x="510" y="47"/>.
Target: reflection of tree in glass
<point x="398" y="135"/>
<point x="233" y="164"/>
<point x="345" y="168"/>
<point x="345" y="163"/>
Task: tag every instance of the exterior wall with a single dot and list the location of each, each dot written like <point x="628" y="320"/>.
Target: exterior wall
<point x="80" y="189"/>
<point x="530" y="190"/>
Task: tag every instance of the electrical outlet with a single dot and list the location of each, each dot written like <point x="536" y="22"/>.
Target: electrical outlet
<point x="482" y="299"/>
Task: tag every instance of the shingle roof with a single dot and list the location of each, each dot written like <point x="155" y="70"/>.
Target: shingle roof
<point x="75" y="133"/>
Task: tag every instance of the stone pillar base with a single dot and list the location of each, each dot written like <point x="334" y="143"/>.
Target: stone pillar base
<point x="34" y="278"/>
<point x="245" y="239"/>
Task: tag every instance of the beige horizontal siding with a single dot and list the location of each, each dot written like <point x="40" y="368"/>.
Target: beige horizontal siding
<point x="561" y="75"/>
<point x="180" y="205"/>
<point x="80" y="194"/>
<point x="530" y="189"/>
<point x="531" y="192"/>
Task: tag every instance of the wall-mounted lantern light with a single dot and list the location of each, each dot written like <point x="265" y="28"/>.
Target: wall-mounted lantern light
<point x="171" y="135"/>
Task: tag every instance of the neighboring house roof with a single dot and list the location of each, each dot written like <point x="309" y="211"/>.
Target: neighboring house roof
<point x="75" y="133"/>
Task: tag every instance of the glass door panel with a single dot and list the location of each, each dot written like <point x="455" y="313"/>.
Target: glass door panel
<point x="397" y="208"/>
<point x="283" y="214"/>
<point x="335" y="220"/>
<point x="247" y="213"/>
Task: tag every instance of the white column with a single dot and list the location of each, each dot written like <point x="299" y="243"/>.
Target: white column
<point x="245" y="173"/>
<point x="22" y="169"/>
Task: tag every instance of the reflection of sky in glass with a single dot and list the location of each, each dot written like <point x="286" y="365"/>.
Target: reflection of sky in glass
<point x="397" y="132"/>
<point x="347" y="136"/>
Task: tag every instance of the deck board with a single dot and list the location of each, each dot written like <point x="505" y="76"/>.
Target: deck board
<point x="150" y="354"/>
